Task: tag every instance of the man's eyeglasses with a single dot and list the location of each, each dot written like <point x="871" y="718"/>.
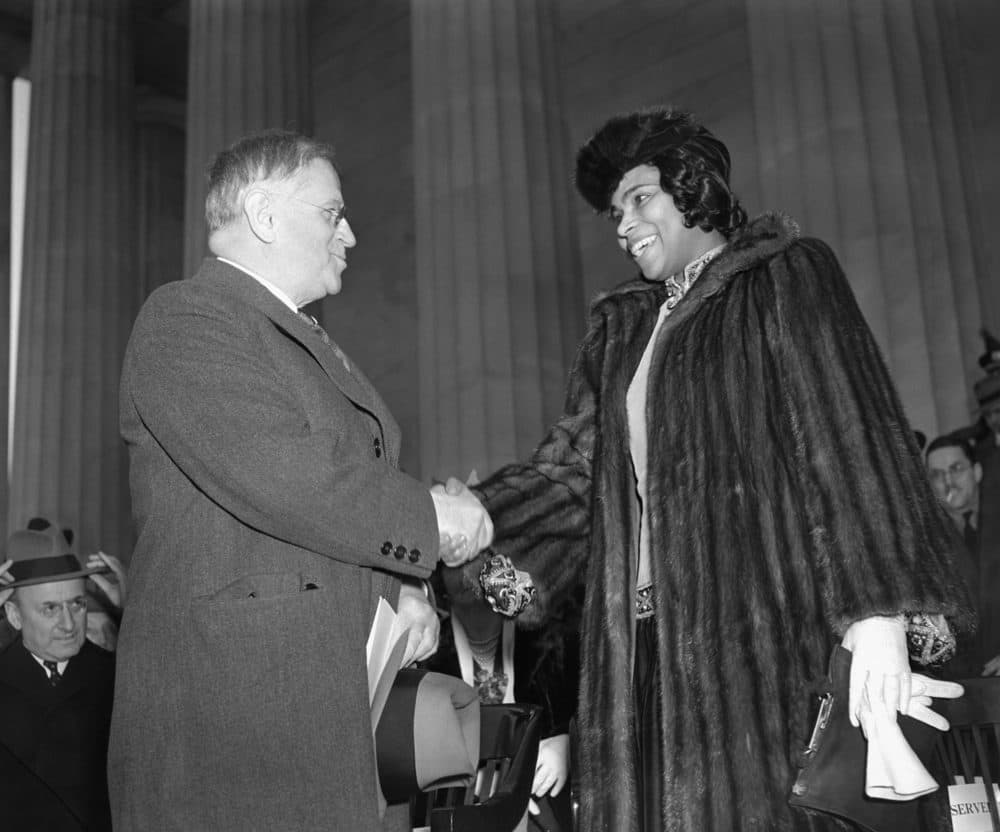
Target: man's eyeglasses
<point x="51" y="609"/>
<point x="956" y="469"/>
<point x="333" y="215"/>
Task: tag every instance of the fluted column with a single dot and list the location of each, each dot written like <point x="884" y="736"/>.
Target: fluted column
<point x="6" y="96"/>
<point x="159" y="191"/>
<point x="78" y="280"/>
<point x="500" y="297"/>
<point x="248" y="69"/>
<point x="856" y="140"/>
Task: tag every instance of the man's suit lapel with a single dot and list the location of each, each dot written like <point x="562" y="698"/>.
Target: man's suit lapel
<point x="20" y="670"/>
<point x="352" y="382"/>
<point x="75" y="677"/>
<point x="355" y="386"/>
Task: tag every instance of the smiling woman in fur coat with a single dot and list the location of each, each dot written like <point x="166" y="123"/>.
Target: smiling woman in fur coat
<point x="736" y="484"/>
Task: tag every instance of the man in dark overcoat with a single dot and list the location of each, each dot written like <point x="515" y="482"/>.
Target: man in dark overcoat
<point x="271" y="517"/>
<point x="955" y="476"/>
<point x="55" y="693"/>
<point x="783" y="505"/>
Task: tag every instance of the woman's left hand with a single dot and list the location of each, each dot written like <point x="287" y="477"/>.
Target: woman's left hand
<point x="551" y="769"/>
<point x="880" y="664"/>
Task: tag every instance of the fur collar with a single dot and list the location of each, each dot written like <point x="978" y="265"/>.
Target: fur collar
<point x="757" y="241"/>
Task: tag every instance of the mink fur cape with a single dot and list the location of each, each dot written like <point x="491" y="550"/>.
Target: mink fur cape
<point x="787" y="500"/>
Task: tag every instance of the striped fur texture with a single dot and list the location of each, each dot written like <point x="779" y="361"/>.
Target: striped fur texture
<point x="787" y="499"/>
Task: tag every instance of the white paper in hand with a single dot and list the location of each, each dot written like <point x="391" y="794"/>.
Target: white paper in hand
<point x="384" y="652"/>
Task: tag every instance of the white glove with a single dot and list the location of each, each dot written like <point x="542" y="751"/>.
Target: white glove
<point x="892" y="769"/>
<point x="923" y="691"/>
<point x="880" y="664"/>
<point x="464" y="525"/>
<point x="551" y="769"/>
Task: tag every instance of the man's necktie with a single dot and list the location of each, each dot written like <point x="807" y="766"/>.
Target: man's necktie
<point x="54" y="675"/>
<point x="315" y="327"/>
<point x="970" y="533"/>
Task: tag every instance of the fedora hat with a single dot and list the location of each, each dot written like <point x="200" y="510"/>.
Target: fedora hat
<point x="428" y="734"/>
<point x="42" y="554"/>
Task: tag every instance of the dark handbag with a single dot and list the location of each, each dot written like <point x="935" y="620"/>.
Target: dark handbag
<point x="831" y="776"/>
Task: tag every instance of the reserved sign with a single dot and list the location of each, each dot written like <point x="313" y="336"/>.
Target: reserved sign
<point x="970" y="812"/>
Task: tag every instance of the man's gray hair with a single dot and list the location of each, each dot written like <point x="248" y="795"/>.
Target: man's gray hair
<point x="271" y="154"/>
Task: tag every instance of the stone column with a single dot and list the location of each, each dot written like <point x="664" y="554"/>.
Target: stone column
<point x="6" y="95"/>
<point x="857" y="141"/>
<point x="248" y="69"/>
<point x="159" y="191"/>
<point x="500" y="297"/>
<point x="78" y="285"/>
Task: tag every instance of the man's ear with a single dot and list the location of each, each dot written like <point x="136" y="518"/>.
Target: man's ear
<point x="977" y="472"/>
<point x="13" y="614"/>
<point x="258" y="208"/>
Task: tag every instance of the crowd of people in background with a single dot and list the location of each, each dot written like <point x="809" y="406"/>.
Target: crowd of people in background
<point x="964" y="470"/>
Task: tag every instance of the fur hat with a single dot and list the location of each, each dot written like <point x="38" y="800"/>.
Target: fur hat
<point x="42" y="554"/>
<point x="640" y="138"/>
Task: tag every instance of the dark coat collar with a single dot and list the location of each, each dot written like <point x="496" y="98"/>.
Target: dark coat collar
<point x="20" y="670"/>
<point x="236" y="282"/>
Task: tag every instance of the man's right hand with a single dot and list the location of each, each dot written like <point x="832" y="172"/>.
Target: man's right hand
<point x="465" y="526"/>
<point x="115" y="591"/>
<point x="5" y="578"/>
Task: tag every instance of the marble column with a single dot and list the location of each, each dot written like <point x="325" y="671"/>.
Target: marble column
<point x="248" y="69"/>
<point x="78" y="280"/>
<point x="500" y="298"/>
<point x="857" y="140"/>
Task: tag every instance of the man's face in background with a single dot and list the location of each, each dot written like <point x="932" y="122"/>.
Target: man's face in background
<point x="52" y="618"/>
<point x="955" y="479"/>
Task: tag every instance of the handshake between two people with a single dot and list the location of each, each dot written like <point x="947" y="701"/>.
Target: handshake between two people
<point x="464" y="524"/>
<point x="465" y="529"/>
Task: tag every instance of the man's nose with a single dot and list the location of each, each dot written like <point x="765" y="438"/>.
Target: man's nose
<point x="66" y="617"/>
<point x="346" y="234"/>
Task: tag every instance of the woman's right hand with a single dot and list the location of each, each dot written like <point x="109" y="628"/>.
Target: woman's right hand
<point x="551" y="769"/>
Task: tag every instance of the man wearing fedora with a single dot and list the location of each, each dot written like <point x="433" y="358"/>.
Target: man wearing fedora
<point x="56" y="689"/>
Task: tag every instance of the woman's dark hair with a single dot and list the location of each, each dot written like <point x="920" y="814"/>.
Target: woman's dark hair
<point x="693" y="165"/>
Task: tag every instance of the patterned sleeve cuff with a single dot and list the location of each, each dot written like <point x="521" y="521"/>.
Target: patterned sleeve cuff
<point x="929" y="638"/>
<point x="507" y="590"/>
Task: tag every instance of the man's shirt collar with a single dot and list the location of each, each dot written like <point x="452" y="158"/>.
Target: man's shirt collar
<point x="267" y="284"/>
<point x="41" y="663"/>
